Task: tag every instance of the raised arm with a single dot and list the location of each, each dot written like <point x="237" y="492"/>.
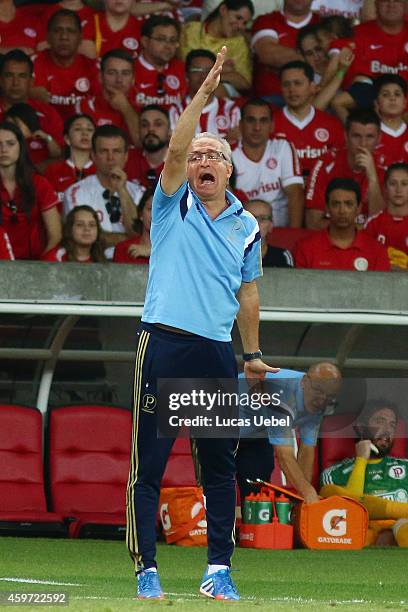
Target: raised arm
<point x="174" y="171"/>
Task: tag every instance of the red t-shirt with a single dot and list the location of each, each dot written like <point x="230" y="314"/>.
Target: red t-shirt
<point x="21" y="32"/>
<point x="67" y="84"/>
<point x="333" y="165"/>
<point x="63" y="174"/>
<point x="101" y="111"/>
<point x="376" y="52"/>
<point x="274" y="25"/>
<point x="138" y="167"/>
<point x="6" y="250"/>
<point x="128" y="38"/>
<point x="166" y="88"/>
<point x="121" y="254"/>
<point x="389" y="230"/>
<point x="312" y="137"/>
<point x="58" y="254"/>
<point x="86" y="15"/>
<point x="27" y="232"/>
<point x="318" y="251"/>
<point x="393" y="146"/>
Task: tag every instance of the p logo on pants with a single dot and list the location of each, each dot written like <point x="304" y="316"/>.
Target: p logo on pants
<point x="149" y="403"/>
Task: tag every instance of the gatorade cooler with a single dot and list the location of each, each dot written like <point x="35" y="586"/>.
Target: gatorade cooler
<point x="334" y="523"/>
<point x="260" y="527"/>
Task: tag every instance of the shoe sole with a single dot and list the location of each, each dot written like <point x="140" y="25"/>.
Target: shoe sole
<point x="141" y="598"/>
<point x="217" y="597"/>
<point x="202" y="592"/>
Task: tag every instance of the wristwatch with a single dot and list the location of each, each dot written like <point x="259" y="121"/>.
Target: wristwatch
<point x="252" y="356"/>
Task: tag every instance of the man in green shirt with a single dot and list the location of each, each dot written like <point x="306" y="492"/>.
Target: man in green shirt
<point x="373" y="477"/>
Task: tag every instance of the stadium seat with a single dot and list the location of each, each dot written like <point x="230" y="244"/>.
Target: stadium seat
<point x="88" y="463"/>
<point x="287" y="237"/>
<point x="337" y="439"/>
<point x="180" y="468"/>
<point x="23" y="509"/>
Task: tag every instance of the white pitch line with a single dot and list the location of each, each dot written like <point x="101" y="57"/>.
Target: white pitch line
<point x="34" y="581"/>
<point x="298" y="600"/>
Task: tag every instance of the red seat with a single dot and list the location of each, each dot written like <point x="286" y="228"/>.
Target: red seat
<point x="180" y="468"/>
<point x="23" y="508"/>
<point x="287" y="237"/>
<point x="337" y="439"/>
<point x="88" y="455"/>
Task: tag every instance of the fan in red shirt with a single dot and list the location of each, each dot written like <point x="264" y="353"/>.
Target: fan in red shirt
<point x="63" y="75"/>
<point x="391" y="102"/>
<point x="357" y="161"/>
<point x="136" y="250"/>
<point x="220" y="116"/>
<point x="81" y="239"/>
<point x="274" y="43"/>
<point x="313" y="132"/>
<point x="78" y="132"/>
<point x="312" y="51"/>
<point x="159" y="75"/>
<point x="17" y="30"/>
<point x="341" y="246"/>
<point x="116" y="28"/>
<point x="380" y="46"/>
<point x="390" y="226"/>
<point x="87" y="17"/>
<point x="29" y="205"/>
<point x="6" y="250"/>
<point x="146" y="164"/>
<point x="41" y="146"/>
<point x="111" y="106"/>
<point x="16" y="79"/>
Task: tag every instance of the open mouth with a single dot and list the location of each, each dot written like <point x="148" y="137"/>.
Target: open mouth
<point x="206" y="178"/>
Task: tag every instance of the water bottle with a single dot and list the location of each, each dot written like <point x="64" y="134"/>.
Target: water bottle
<point x="283" y="509"/>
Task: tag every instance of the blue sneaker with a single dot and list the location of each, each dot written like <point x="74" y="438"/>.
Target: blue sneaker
<point x="219" y="585"/>
<point x="148" y="586"/>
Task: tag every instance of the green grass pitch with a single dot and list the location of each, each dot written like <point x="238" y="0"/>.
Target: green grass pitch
<point x="97" y="575"/>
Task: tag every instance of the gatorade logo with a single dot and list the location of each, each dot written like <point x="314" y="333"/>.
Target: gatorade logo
<point x="165" y="517"/>
<point x="194" y="511"/>
<point x="334" y="522"/>
<point x="264" y="515"/>
<point x="149" y="403"/>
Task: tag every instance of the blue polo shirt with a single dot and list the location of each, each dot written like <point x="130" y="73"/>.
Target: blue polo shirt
<point x="198" y="264"/>
<point x="288" y="384"/>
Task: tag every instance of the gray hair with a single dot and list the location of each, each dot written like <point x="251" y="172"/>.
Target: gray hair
<point x="226" y="149"/>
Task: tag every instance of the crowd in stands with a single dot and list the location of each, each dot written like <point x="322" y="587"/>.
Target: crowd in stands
<point x="312" y="99"/>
